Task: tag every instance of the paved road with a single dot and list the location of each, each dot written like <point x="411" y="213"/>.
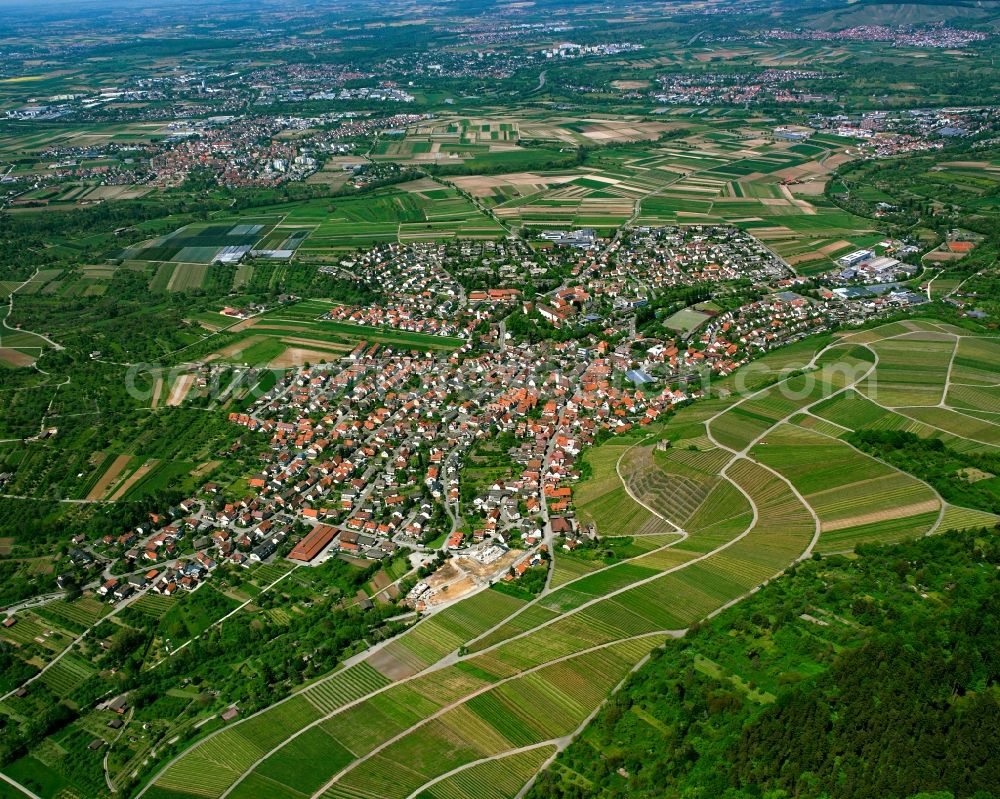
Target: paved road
<point x="34" y="602"/>
<point x="69" y="647"/>
<point x="541" y="82"/>
<point x="46" y="499"/>
<point x="17" y="786"/>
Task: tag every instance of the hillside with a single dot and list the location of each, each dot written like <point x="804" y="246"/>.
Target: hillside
<point x="878" y="12"/>
<point x="849" y="678"/>
<point x="753" y="484"/>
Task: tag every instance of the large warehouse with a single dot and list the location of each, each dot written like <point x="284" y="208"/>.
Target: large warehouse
<point x="314" y="543"/>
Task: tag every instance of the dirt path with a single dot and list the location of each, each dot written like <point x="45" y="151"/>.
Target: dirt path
<point x="18" y="787"/>
<point x="10" y="311"/>
<point x="658" y="634"/>
<point x="455" y="657"/>
<point x="108" y="478"/>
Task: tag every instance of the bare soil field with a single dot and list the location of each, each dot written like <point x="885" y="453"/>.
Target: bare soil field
<point x="805" y="257"/>
<point x="944" y="256"/>
<point x="15" y="357"/>
<point x="298" y="356"/>
<point x="526" y="182"/>
<point x="205" y="468"/>
<point x="837" y="245"/>
<point x="452" y="591"/>
<point x="812" y="188"/>
<point x="108" y="478"/>
<point x="500" y="565"/>
<point x="134" y="478"/>
<point x="388" y="664"/>
<point x="157" y="390"/>
<point x="180" y="390"/>
<point x="630" y="84"/>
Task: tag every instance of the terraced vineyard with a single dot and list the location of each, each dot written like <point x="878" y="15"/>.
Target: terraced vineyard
<point x="473" y="700"/>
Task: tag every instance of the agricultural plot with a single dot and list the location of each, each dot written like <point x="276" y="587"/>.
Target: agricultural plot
<point x="66" y="675"/>
<point x="956" y="518"/>
<point x="530" y="709"/>
<point x="267" y="573"/>
<point x="566" y="568"/>
<point x="214" y="764"/>
<point x="847" y="489"/>
<point x="345" y="687"/>
<point x="295" y="335"/>
<point x="958" y="424"/>
<point x="977" y="361"/>
<point x="677" y="483"/>
<point x="707" y="176"/>
<point x="444" y="633"/>
<point x="851" y="410"/>
<point x="750" y="419"/>
<point x="911" y="370"/>
<point x="154" y="605"/>
<point x="500" y="778"/>
<point x="195" y="246"/>
<point x="391" y="216"/>
<point x="603" y="501"/>
<point x="723" y="514"/>
<point x="985" y="399"/>
<point x="77" y="615"/>
<point x="32" y="629"/>
<point x="528" y="618"/>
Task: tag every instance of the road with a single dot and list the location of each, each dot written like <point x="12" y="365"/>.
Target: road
<point x="107" y="751"/>
<point x="462" y="700"/>
<point x="46" y="499"/>
<point x="541" y="82"/>
<point x="34" y="602"/>
<point x="18" y="787"/>
<point x="455" y="657"/>
<point x="548" y="537"/>
<point x="10" y="310"/>
<point x="69" y="647"/>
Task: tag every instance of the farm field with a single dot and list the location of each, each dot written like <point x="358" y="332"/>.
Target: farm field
<point x="739" y="176"/>
<point x="307" y="230"/>
<point x="396" y="215"/>
<point x="493" y="678"/>
<point x="296" y="334"/>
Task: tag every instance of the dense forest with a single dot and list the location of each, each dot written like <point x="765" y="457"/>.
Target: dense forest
<point x="851" y="678"/>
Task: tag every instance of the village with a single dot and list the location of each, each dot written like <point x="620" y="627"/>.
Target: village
<point x="463" y="463"/>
